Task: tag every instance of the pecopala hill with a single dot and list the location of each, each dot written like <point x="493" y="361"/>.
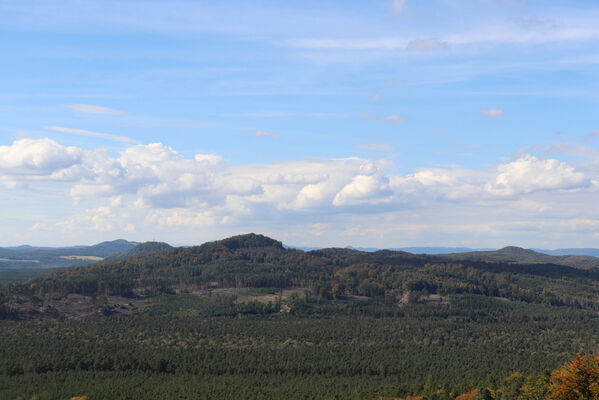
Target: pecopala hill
<point x="246" y="317"/>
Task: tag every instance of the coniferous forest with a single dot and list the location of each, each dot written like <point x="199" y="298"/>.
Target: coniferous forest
<point x="247" y="318"/>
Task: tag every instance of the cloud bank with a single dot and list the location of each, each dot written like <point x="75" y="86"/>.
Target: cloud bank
<point x="154" y="185"/>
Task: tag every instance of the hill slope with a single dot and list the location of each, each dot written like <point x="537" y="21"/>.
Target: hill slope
<point x="139" y="250"/>
<point x="256" y="261"/>
<point x="513" y="254"/>
<point x="241" y="316"/>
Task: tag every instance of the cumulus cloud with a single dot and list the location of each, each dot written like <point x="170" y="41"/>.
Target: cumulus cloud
<point x="182" y="217"/>
<point x="154" y="186"/>
<point x="84" y="132"/>
<point x="492" y="112"/>
<point x="372" y="188"/>
<point x="529" y="174"/>
<point x="439" y="183"/>
<point x="37" y="158"/>
<point x="93" y="109"/>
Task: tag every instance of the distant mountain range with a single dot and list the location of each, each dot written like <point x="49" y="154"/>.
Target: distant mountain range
<point x="586" y="251"/>
<point x="513" y="254"/>
<point x="26" y="256"/>
<point x="254" y="260"/>
<point x="571" y="252"/>
<point x="55" y="257"/>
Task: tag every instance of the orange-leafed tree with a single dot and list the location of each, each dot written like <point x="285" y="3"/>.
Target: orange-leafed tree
<point x="471" y="395"/>
<point x="576" y="380"/>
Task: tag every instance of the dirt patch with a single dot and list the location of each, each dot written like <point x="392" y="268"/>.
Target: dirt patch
<point x="244" y="295"/>
<point x="76" y="306"/>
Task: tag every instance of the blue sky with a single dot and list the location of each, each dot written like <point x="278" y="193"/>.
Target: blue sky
<point x="378" y="123"/>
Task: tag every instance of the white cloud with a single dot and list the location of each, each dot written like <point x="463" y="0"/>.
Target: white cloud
<point x="314" y="195"/>
<point x="83" y="132"/>
<point x="492" y="113"/>
<point x="439" y="183"/>
<point x="426" y="44"/>
<point x="529" y="174"/>
<point x="491" y="34"/>
<point x="154" y="187"/>
<point x="394" y="119"/>
<point x="181" y="217"/>
<point x="592" y="136"/>
<point x="363" y="189"/>
<point x="398" y="6"/>
<point x="376" y="146"/>
<point x="160" y="178"/>
<point x="93" y="109"/>
<point x="532" y="206"/>
<point x="37" y="157"/>
<point x="115" y="201"/>
<point x="261" y="133"/>
<point x="97" y="219"/>
<point x="391" y="118"/>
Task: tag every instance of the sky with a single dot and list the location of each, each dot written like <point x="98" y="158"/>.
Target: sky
<point x="382" y="123"/>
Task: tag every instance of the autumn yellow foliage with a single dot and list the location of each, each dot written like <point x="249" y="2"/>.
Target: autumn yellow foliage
<point x="575" y="380"/>
<point x="468" y="395"/>
<point x="578" y="379"/>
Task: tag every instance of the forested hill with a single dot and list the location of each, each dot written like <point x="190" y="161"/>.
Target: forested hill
<point x="245" y="317"/>
<point x="139" y="250"/>
<point x="256" y="261"/>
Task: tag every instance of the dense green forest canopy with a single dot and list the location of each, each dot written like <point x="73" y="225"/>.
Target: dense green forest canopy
<point x="246" y="317"/>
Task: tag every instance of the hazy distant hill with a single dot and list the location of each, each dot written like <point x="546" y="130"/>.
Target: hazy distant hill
<point x="571" y="252"/>
<point x="591" y="252"/>
<point x="53" y="257"/>
<point x="414" y="250"/>
<point x="513" y="254"/>
<point x="26" y="256"/>
<point x="438" y="250"/>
